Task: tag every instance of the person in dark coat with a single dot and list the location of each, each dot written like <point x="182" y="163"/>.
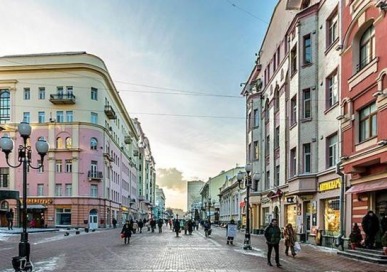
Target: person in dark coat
<point x="127" y="231"/>
<point x="152" y="224"/>
<point x="383" y="223"/>
<point x="290" y="239"/>
<point x="140" y="225"/>
<point x="114" y="222"/>
<point x="176" y="226"/>
<point x="160" y="225"/>
<point x="273" y="237"/>
<point x="9" y="217"/>
<point x="370" y="225"/>
<point x="355" y="237"/>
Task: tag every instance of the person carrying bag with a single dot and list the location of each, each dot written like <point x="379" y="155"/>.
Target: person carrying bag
<point x="290" y="240"/>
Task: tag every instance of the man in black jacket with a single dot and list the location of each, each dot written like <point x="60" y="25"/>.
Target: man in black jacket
<point x="370" y="225"/>
<point x="273" y="237"/>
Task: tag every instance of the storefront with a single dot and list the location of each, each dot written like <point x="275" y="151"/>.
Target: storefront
<point x="328" y="223"/>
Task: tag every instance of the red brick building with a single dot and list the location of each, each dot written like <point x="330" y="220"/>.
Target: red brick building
<point x="364" y="105"/>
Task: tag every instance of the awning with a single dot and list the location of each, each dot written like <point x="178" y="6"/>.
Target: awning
<point x="367" y="187"/>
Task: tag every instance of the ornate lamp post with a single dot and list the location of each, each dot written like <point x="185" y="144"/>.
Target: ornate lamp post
<point x="22" y="262"/>
<point x="247" y="184"/>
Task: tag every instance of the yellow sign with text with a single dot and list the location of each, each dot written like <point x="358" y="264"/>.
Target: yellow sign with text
<point x="329" y="185"/>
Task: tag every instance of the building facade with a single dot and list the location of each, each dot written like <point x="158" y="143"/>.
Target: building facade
<point x="193" y="198"/>
<point x="292" y="105"/>
<point x="91" y="170"/>
<point x="364" y="104"/>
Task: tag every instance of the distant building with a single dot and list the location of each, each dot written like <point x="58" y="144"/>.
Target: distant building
<point x="159" y="207"/>
<point x="193" y="196"/>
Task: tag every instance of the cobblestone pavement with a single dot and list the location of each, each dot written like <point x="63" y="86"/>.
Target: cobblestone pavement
<point x="104" y="251"/>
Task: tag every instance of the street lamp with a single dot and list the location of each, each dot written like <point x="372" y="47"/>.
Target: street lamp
<point x="22" y="262"/>
<point x="247" y="184"/>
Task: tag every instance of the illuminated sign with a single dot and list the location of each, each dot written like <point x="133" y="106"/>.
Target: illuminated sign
<point x="329" y="185"/>
<point x="42" y="201"/>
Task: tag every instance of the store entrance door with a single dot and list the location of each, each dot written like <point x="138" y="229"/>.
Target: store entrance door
<point x="93" y="219"/>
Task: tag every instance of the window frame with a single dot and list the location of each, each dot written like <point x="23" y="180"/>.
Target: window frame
<point x="368" y="118"/>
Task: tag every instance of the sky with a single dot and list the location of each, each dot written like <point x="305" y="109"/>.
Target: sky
<point x="177" y="64"/>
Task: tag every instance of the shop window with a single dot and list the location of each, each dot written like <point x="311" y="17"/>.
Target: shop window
<point x="332" y="217"/>
<point x="63" y="217"/>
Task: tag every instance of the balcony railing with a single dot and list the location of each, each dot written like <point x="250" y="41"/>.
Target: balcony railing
<point x="110" y="113"/>
<point x="94" y="175"/>
<point x="62" y="99"/>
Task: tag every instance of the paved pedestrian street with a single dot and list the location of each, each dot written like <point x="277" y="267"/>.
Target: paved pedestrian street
<point x="103" y="250"/>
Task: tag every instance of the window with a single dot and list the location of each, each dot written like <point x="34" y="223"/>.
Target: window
<point x="94" y="93"/>
<point x="94" y="118"/>
<point x="307" y="158"/>
<point x="58" y="166"/>
<point x="368" y="126"/>
<point x="68" y="189"/>
<point x="267" y="114"/>
<point x="332" y="27"/>
<point x="277" y="137"/>
<point x="42" y="93"/>
<point x="93" y="190"/>
<point x="59" y="91"/>
<point x="26" y="117"/>
<point x="293" y="60"/>
<point x="5" y="106"/>
<point x="59" y="117"/>
<point x="256" y="118"/>
<point x="307" y="49"/>
<point x="277" y="175"/>
<point x="256" y="150"/>
<point x="58" y="189"/>
<point x="276" y="100"/>
<point x="27" y="94"/>
<point x="69" y="90"/>
<point x="93" y="143"/>
<point x="63" y="217"/>
<point x="69" y="116"/>
<point x="69" y="166"/>
<point x="332" y="89"/>
<point x="94" y="168"/>
<point x="40" y="190"/>
<point x="267" y="145"/>
<point x="293" y="110"/>
<point x="68" y="142"/>
<point x="333" y="151"/>
<point x="59" y="143"/>
<point x="367" y="47"/>
<point x="267" y="180"/>
<point x="293" y="162"/>
<point x="4" y="177"/>
<point x="41" y="117"/>
<point x="306" y="103"/>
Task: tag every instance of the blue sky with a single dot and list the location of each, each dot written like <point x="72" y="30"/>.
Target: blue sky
<point x="176" y="63"/>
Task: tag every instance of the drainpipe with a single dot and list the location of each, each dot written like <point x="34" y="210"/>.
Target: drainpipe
<point x="340" y="238"/>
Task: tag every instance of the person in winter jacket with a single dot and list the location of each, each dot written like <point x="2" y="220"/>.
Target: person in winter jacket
<point x="273" y="237"/>
<point x="127" y="231"/>
<point x="290" y="239"/>
<point x="370" y="225"/>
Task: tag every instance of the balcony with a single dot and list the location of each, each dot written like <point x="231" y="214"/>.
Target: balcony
<point x="127" y="140"/>
<point x="302" y="185"/>
<point x="110" y="113"/>
<point x="62" y="99"/>
<point x="95" y="175"/>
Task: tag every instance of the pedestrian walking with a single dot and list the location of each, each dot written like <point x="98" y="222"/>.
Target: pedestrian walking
<point x="127" y="231"/>
<point x="355" y="237"/>
<point x="140" y="225"/>
<point x="370" y="225"/>
<point x="152" y="224"/>
<point x="230" y="231"/>
<point x="9" y="216"/>
<point x="273" y="237"/>
<point x="176" y="226"/>
<point x="160" y="225"/>
<point x="114" y="222"/>
<point x="135" y="226"/>
<point x="290" y="239"/>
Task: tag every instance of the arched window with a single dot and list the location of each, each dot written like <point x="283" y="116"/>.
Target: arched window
<point x="93" y="143"/>
<point x="367" y="47"/>
<point x="5" y="106"/>
<point x="69" y="142"/>
<point x="59" y="143"/>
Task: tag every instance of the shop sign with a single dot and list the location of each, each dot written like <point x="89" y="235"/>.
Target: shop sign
<point x="329" y="185"/>
<point x="43" y="201"/>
